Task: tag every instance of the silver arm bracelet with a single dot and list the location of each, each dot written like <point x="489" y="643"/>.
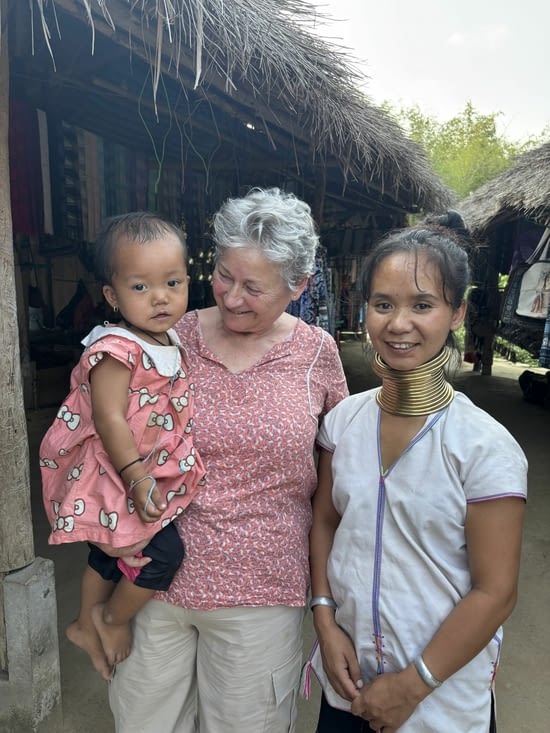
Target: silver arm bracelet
<point x="322" y="601"/>
<point x="148" y="499"/>
<point x="425" y="675"/>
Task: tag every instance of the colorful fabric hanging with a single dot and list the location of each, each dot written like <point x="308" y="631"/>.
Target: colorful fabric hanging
<point x="544" y="356"/>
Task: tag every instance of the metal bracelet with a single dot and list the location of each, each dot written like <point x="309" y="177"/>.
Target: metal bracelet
<point x="133" y="484"/>
<point x="322" y="601"/>
<point x="148" y="499"/>
<point x="425" y="675"/>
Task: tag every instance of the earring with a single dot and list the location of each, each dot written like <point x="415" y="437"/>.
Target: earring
<point x="115" y="309"/>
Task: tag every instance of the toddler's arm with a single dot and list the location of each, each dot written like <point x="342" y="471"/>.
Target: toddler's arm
<point x="110" y="381"/>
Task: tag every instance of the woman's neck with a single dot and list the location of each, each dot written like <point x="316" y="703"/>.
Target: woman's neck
<point x="418" y="391"/>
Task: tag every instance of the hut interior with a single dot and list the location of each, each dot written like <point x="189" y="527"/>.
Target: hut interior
<point x="173" y="107"/>
<point x="508" y="216"/>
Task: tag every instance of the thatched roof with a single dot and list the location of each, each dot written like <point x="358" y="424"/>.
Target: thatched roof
<point x="522" y="191"/>
<point x="255" y="61"/>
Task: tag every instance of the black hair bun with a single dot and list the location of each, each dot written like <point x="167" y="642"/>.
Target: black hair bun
<point x="450" y="220"/>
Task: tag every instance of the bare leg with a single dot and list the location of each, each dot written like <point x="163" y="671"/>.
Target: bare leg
<point x="82" y="632"/>
<point x="112" y="618"/>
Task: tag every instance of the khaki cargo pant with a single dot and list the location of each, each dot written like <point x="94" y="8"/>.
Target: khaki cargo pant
<point x="232" y="670"/>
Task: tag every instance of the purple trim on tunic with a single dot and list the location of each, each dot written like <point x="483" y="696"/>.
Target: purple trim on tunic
<point x="377" y="571"/>
<point x="490" y="497"/>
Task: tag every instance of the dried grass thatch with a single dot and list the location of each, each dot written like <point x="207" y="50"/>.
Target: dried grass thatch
<point x="521" y="191"/>
<point x="262" y="54"/>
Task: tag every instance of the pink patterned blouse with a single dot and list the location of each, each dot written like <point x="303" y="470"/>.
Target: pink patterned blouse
<point x="246" y="531"/>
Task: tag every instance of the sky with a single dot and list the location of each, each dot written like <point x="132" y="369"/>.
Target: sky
<point x="440" y="55"/>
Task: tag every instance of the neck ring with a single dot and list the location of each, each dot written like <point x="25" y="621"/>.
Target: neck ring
<point x="418" y="391"/>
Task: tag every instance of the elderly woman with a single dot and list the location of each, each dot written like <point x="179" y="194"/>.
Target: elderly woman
<point x="221" y="651"/>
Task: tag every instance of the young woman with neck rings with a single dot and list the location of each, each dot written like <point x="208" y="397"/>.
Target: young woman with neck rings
<point x="417" y="518"/>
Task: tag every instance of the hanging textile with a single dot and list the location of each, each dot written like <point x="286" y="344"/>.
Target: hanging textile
<point x="25" y="164"/>
<point x="64" y="163"/>
<point x="312" y="306"/>
<point x="544" y="356"/>
<point x="45" y="170"/>
<point x="117" y="185"/>
<point x="93" y="171"/>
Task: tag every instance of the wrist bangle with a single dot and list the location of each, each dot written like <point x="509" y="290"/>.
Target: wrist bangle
<point x="322" y="601"/>
<point x="424" y="673"/>
<point x="137" y="460"/>
<point x="148" y="499"/>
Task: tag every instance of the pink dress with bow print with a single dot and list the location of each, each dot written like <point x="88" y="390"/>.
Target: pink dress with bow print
<point x="84" y="497"/>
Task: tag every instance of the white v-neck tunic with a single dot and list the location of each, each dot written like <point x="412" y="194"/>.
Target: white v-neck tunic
<point x="399" y="564"/>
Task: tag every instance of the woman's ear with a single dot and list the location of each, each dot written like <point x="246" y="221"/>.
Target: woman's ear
<point x="297" y="294"/>
<point x="110" y="296"/>
<point x="458" y="316"/>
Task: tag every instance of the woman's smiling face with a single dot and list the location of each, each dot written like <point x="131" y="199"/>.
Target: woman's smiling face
<point x="408" y="316"/>
<point x="249" y="290"/>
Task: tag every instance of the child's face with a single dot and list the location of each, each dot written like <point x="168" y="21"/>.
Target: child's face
<point x="150" y="283"/>
<point x="408" y="318"/>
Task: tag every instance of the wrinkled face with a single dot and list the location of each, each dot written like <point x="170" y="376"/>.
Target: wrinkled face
<point x="408" y="318"/>
<point x="150" y="283"/>
<point x="249" y="291"/>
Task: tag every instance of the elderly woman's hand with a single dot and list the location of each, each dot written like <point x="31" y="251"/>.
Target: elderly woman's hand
<point x="128" y="554"/>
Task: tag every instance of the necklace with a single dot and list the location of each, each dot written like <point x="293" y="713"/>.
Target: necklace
<point x="131" y="327"/>
<point x="154" y="337"/>
<point x="418" y="391"/>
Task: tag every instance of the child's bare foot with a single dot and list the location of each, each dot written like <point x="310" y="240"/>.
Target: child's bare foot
<point x="87" y="638"/>
<point x="116" y="639"/>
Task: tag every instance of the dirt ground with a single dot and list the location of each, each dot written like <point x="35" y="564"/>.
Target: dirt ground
<point x="523" y="681"/>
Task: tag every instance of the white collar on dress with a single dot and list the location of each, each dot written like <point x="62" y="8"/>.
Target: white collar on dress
<point x="167" y="359"/>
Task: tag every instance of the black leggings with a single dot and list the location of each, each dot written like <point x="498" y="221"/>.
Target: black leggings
<point x="332" y="720"/>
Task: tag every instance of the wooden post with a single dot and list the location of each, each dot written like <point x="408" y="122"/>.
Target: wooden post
<point x="493" y="305"/>
<point x="30" y="683"/>
<point x="16" y="547"/>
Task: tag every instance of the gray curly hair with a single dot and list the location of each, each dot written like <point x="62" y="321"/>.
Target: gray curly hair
<point x="278" y="223"/>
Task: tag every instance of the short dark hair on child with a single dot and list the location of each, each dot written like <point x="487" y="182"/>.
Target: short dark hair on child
<point x="443" y="239"/>
<point x="136" y="226"/>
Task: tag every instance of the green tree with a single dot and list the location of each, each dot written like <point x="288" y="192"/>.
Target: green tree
<point x="466" y="151"/>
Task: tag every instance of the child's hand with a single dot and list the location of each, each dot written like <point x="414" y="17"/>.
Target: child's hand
<point x="147" y="499"/>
